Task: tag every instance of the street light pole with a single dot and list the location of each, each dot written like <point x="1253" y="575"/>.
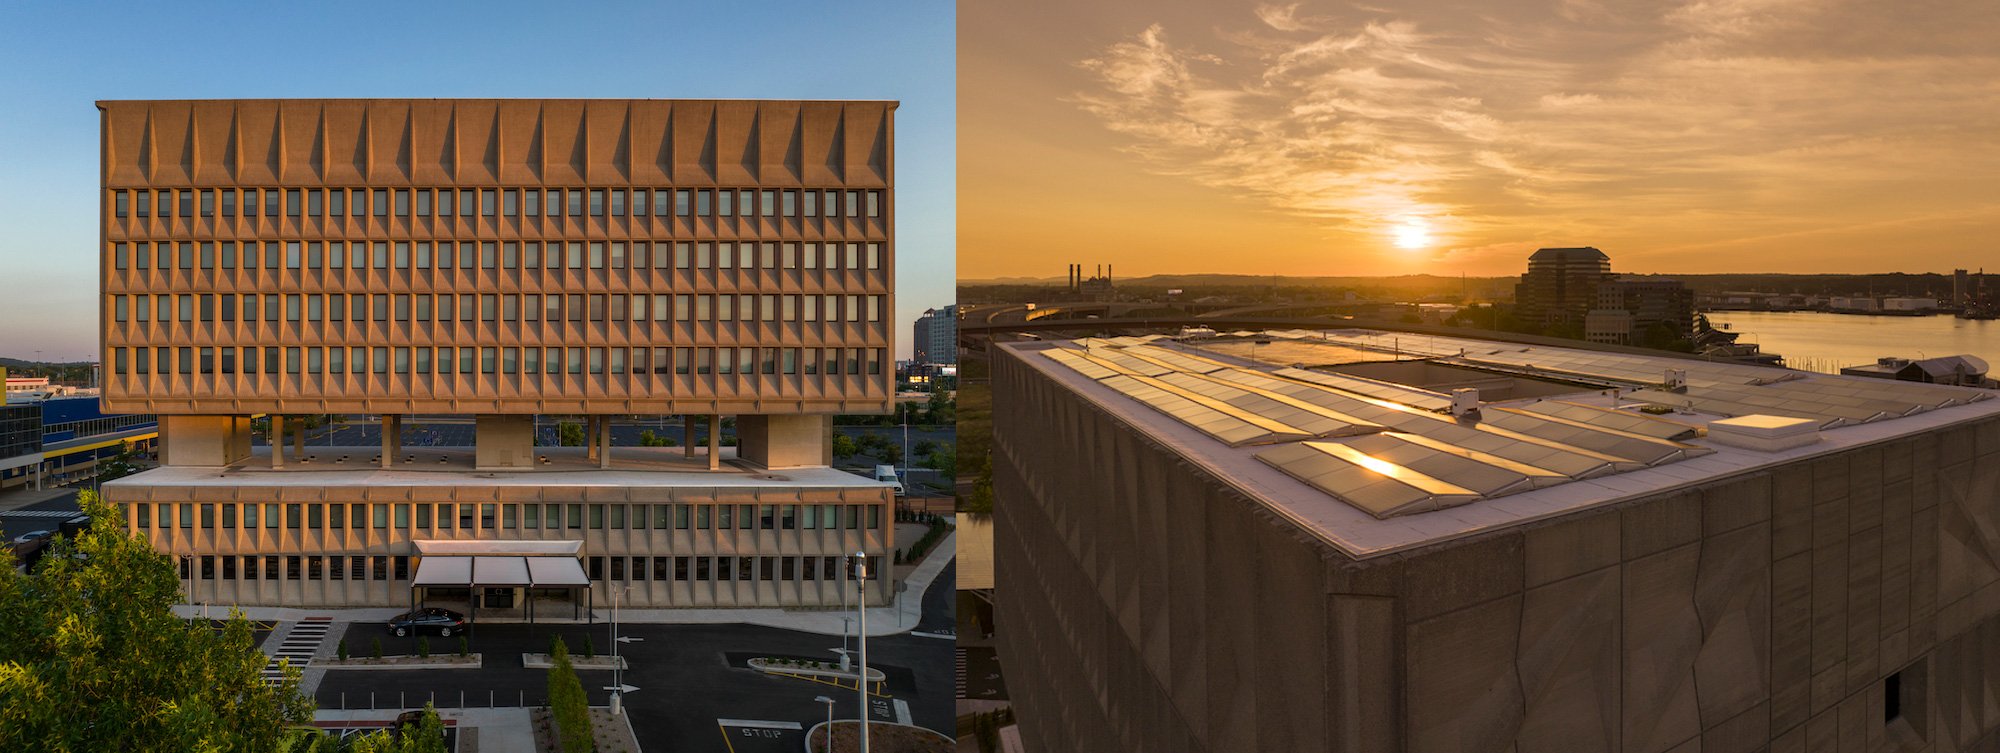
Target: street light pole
<point x="861" y="674"/>
<point x="829" y="723"/>
<point x="617" y="674"/>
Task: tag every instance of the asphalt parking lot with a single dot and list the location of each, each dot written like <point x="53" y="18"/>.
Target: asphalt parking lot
<point x="694" y="692"/>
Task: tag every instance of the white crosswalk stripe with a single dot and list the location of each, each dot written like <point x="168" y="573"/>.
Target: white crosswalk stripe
<point x="958" y="663"/>
<point x="297" y="647"/>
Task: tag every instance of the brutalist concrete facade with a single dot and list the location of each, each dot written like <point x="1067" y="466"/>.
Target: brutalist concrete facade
<point x="1144" y="604"/>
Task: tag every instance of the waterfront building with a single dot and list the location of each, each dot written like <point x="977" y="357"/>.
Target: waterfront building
<point x="1628" y="310"/>
<point x="936" y="336"/>
<point x="489" y="261"/>
<point x="1560" y="286"/>
<point x="1572" y="550"/>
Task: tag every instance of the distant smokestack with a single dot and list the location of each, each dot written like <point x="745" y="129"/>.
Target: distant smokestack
<point x="1107" y="273"/>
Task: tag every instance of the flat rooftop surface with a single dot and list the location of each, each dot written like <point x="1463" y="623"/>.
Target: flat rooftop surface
<point x="1373" y="467"/>
<point x="650" y="467"/>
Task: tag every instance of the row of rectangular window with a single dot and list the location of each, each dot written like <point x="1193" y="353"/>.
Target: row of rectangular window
<point x="335" y="255"/>
<point x="498" y="202"/>
<point x="481" y="360"/>
<point x="621" y="569"/>
<point x="512" y="516"/>
<point x="94" y="426"/>
<point x="513" y="308"/>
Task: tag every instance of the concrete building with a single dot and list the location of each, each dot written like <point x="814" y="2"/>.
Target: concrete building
<point x="1628" y="309"/>
<point x="935" y="338"/>
<point x="74" y="435"/>
<point x="495" y="260"/>
<point x="1560" y="286"/>
<point x="1195" y="552"/>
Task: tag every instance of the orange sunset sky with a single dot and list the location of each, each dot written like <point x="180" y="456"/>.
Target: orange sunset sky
<point x="1448" y="138"/>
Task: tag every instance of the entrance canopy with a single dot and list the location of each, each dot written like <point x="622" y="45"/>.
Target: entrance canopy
<point x="476" y="564"/>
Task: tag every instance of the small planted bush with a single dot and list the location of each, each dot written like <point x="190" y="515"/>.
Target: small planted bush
<point x="378" y="648"/>
<point x="342" y="649"/>
<point x="424" y="647"/>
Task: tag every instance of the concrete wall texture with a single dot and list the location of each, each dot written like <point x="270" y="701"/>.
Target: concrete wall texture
<point x="1146" y="605"/>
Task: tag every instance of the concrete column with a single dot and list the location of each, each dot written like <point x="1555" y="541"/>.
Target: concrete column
<point x="391" y="439"/>
<point x="277" y="441"/>
<point x="604" y="442"/>
<point x="591" y="437"/>
<point x="714" y="442"/>
<point x="299" y="441"/>
<point x="687" y="434"/>
<point x="504" y="441"/>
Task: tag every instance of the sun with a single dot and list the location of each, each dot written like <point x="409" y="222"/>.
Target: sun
<point x="1413" y="233"/>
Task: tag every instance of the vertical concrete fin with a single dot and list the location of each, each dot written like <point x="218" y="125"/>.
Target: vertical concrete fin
<point x="406" y="146"/>
<point x="579" y="152"/>
<point x="491" y="154"/>
<point x="364" y="147"/>
<point x="752" y="150"/>
<point x="836" y="153"/>
<point x="795" y="146"/>
<point x="537" y="150"/>
<point x="449" y="154"/>
<point x="279" y="160"/>
<point x="320" y="159"/>
<point x="666" y="154"/>
<point x="148" y="151"/>
<point x="708" y="159"/>
<point x="189" y="147"/>
<point x="621" y="156"/>
<point x="878" y="152"/>
<point x="232" y="153"/>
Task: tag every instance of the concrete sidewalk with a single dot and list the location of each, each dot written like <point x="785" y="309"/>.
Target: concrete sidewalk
<point x="892" y="620"/>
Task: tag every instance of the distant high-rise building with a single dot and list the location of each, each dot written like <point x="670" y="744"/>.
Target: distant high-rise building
<point x="935" y="338"/>
<point x="1561" y="285"/>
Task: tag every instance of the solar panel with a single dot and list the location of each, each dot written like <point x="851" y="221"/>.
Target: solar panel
<point x="1616" y="420"/>
<point x="1300" y="415"/>
<point x="1229" y="425"/>
<point x="1392" y="392"/>
<point x="1082" y="364"/>
<point x="1380" y="488"/>
<point x="1174" y="360"/>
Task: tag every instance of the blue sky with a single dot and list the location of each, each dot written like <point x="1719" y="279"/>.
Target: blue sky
<point x="60" y="58"/>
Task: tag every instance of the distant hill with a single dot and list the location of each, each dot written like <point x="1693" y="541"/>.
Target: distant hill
<point x="1884" y="284"/>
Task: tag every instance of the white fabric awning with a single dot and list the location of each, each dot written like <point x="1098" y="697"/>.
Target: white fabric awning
<point x="435" y="570"/>
<point x="443" y="571"/>
<point x="500" y="571"/>
<point x="556" y="571"/>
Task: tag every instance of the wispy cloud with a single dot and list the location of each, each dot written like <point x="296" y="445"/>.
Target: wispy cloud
<point x="1753" y="115"/>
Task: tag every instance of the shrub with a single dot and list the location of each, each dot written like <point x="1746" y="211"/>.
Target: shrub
<point x="424" y="647"/>
<point x="567" y="702"/>
<point x="589" y="649"/>
<point x="378" y="648"/>
<point x="342" y="649"/>
<point x="464" y="648"/>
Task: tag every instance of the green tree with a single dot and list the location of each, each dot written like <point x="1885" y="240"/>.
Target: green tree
<point x="569" y="434"/>
<point x="426" y="735"/>
<point x="93" y="629"/>
<point x="844" y="446"/>
<point x="944" y="460"/>
<point x="924" y="447"/>
<point x="568" y="703"/>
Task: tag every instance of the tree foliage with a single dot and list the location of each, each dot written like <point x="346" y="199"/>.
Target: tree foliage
<point x="92" y="629"/>
<point x="568" y="703"/>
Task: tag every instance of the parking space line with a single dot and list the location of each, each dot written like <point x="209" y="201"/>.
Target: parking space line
<point x="724" y="731"/>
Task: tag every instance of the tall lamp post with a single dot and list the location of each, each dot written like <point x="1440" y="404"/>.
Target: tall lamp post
<point x="618" y="687"/>
<point x="861" y="673"/>
<point x="829" y="723"/>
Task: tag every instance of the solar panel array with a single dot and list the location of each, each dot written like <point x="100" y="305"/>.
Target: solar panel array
<point x="1383" y="448"/>
<point x="1726" y="389"/>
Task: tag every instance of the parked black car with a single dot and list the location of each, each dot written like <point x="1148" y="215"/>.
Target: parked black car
<point x="444" y="621"/>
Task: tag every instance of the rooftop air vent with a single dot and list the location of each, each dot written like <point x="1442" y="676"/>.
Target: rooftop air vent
<point x="1464" y="402"/>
